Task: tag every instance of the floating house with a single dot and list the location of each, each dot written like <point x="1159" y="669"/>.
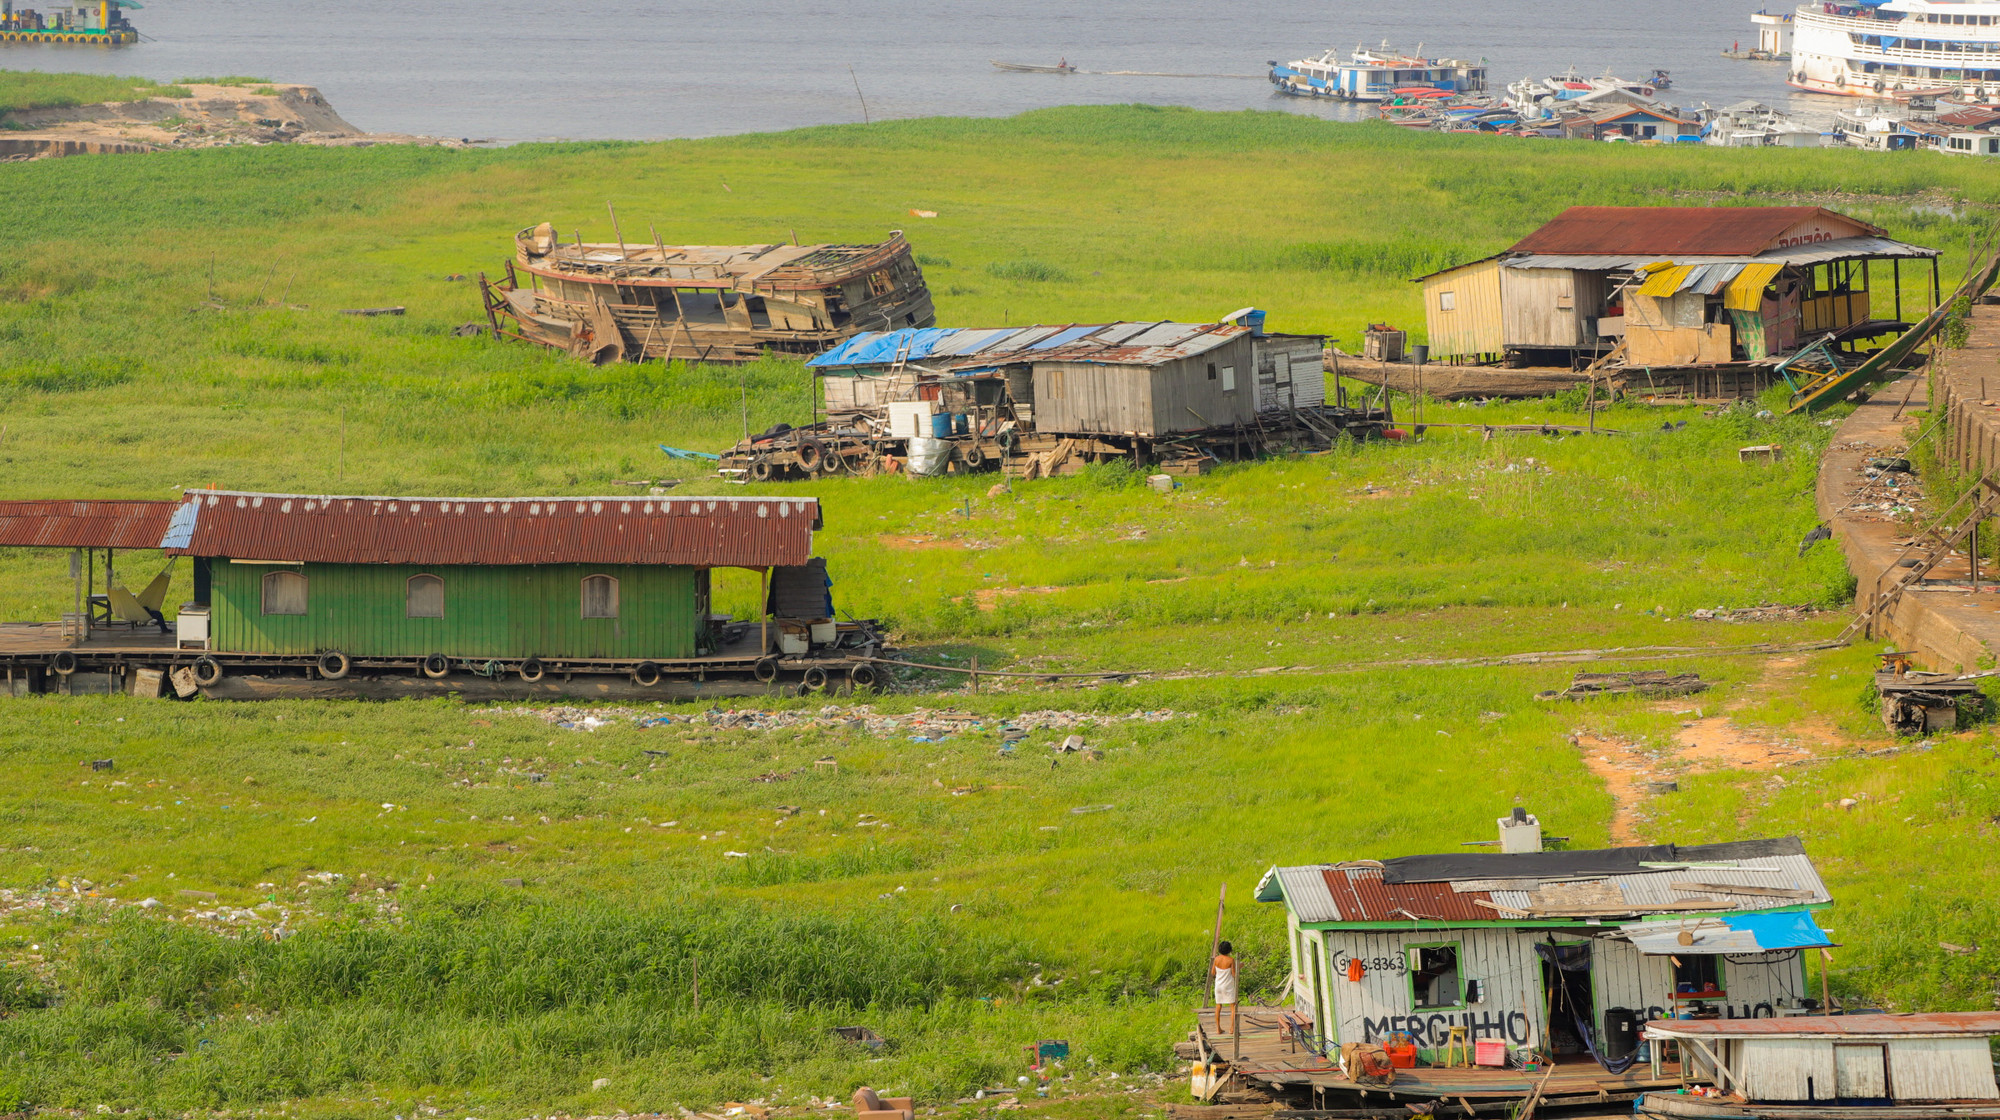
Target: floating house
<point x="1678" y="286"/>
<point x="100" y="23"/>
<point x="1631" y="123"/>
<point x="1563" y="951"/>
<point x="1145" y="380"/>
<point x="628" y="301"/>
<point x="321" y="587"/>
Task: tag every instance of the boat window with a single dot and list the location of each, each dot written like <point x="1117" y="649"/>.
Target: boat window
<point x="600" y="597"/>
<point x="1447" y="301"/>
<point x="1434" y="976"/>
<point x="1694" y="974"/>
<point x="423" y="597"/>
<point x="284" y="593"/>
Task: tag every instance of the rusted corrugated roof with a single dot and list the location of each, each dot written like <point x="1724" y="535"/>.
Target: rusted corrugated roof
<point x="89" y="524"/>
<point x="1361" y="896"/>
<point x="1668" y="230"/>
<point x="1848" y="1026"/>
<point x="700" y="532"/>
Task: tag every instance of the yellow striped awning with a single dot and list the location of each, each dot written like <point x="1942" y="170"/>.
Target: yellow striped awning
<point x="1666" y="281"/>
<point x="1746" y="292"/>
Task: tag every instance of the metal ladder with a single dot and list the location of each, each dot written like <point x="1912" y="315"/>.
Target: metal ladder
<point x="1987" y="505"/>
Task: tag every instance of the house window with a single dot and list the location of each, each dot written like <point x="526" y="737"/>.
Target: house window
<point x="1229" y="379"/>
<point x="423" y="597"/>
<point x="1434" y="978"/>
<point x="600" y="597"/>
<point x="1284" y="369"/>
<point x="1447" y="301"/>
<point x="284" y="593"/>
<point x="1211" y="371"/>
<point x="1694" y="973"/>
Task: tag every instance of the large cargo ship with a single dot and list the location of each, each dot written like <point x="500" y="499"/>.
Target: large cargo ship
<point x="1898" y="49"/>
<point x="101" y="23"/>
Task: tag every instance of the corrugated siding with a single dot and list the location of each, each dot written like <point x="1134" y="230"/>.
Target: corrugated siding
<point x="1784" y="1069"/>
<point x="1080" y="398"/>
<point x="1303" y="384"/>
<point x="489" y="612"/>
<point x="1181" y="390"/>
<point x="1940" y="1069"/>
<point x="1473" y="325"/>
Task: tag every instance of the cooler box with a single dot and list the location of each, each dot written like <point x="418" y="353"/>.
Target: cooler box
<point x="1489" y="1052"/>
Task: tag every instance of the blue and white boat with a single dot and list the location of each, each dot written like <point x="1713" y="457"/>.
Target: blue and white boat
<point x="1375" y="75"/>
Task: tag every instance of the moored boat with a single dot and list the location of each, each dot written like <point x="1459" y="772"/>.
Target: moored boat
<point x="1062" y="67"/>
<point x="1898" y="49"/>
<point x="1376" y="75"/>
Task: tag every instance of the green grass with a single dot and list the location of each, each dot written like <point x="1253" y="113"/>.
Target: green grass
<point x="170" y="321"/>
<point x="32" y="89"/>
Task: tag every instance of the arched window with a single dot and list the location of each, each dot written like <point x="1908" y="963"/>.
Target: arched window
<point x="284" y="593"/>
<point x="600" y="597"/>
<point x="423" y="597"/>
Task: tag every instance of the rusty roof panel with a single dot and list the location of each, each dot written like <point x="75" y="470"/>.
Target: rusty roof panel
<point x="1848" y="1026"/>
<point x="1360" y="895"/>
<point x="87" y="524"/>
<point x="1667" y="230"/>
<point x="697" y="532"/>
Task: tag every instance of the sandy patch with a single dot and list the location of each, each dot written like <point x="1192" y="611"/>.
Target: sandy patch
<point x="908" y="543"/>
<point x="989" y="598"/>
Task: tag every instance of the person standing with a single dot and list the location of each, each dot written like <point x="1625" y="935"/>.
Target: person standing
<point x="1225" y="985"/>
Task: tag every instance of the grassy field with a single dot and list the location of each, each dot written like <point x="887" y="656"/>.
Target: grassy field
<point x="483" y="909"/>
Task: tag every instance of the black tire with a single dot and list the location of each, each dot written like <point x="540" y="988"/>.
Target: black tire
<point x="812" y="455"/>
<point x="813" y="680"/>
<point x="765" y="670"/>
<point x="207" y="670"/>
<point x="863" y="676"/>
<point x="646" y="674"/>
<point x="333" y="665"/>
<point x="63" y="663"/>
<point x="531" y="670"/>
<point x="973" y="456"/>
<point x="437" y="666"/>
<point x="761" y="469"/>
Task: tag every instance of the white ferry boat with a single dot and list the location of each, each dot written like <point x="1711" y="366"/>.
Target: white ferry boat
<point x="1377" y="75"/>
<point x="1898" y="49"/>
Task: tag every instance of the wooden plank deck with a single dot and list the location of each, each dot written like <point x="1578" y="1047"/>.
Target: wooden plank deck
<point x="1269" y="1055"/>
<point x="46" y="637"/>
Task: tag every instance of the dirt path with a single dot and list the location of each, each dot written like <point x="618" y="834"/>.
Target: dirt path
<point x="1634" y="772"/>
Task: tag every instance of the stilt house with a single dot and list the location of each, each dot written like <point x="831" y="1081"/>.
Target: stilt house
<point x="1544" y="948"/>
<point x="1678" y="285"/>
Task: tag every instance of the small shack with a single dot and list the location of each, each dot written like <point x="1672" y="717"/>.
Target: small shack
<point x="1680" y="286"/>
<point x="1844" y="1061"/>
<point x="1555" y="950"/>
<point x="1129" y="379"/>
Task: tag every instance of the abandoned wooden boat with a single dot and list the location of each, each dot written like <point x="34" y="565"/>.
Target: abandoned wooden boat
<point x="1062" y="67"/>
<point x="710" y="303"/>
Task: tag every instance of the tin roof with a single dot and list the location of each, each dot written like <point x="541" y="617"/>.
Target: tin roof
<point x="1726" y="231"/>
<point x="1841" y="1026"/>
<point x="697" y="532"/>
<point x="1141" y="344"/>
<point x="1546" y="886"/>
<point x="87" y="524"/>
<point x="1817" y="252"/>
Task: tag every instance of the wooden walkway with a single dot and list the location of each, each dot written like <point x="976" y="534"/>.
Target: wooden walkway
<point x="47" y="637"/>
<point x="1270" y="1057"/>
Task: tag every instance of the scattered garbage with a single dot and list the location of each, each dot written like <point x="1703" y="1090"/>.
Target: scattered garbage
<point x="100" y="764"/>
<point x="862" y="1036"/>
<point x="920" y="725"/>
<point x="1645" y="682"/>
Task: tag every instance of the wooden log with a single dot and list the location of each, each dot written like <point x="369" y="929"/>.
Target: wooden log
<point x="1452" y="383"/>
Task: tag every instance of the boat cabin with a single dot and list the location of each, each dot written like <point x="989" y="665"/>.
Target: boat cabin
<point x="1561" y="951"/>
<point x="1970" y="144"/>
<point x="1674" y="286"/>
<point x="1892" y="1065"/>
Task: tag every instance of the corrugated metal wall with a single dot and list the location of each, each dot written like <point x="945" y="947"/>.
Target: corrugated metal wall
<point x="1088" y="398"/>
<point x="1512" y="1002"/>
<point x="1291" y="373"/>
<point x="1941" y="1069"/>
<point x="1784" y="1069"/>
<point x="489" y="612"/>
<point x="1473" y="325"/>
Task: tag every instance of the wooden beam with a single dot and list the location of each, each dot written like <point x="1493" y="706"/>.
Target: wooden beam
<point x="1728" y="888"/>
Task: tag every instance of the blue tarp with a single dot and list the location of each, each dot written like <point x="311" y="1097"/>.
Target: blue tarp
<point x="879" y="348"/>
<point x="1792" y="929"/>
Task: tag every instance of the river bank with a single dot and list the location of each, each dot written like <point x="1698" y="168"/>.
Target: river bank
<point x="210" y="116"/>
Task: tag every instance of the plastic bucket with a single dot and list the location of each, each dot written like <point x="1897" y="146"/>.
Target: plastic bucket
<point x="941" y="425"/>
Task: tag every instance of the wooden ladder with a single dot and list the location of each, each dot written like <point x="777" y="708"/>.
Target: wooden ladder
<point x="1938" y="546"/>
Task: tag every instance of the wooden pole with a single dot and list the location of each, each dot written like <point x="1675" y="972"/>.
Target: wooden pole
<point x="975" y="673"/>
<point x="764" y="615"/>
<point x="615" y="231"/>
<point x="1825" y="993"/>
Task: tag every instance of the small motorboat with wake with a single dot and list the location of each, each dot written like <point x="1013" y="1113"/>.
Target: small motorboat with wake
<point x="1061" y="67"/>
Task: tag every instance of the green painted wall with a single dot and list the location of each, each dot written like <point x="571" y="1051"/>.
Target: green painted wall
<point x="489" y="612"/>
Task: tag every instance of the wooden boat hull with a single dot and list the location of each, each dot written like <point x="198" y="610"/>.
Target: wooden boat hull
<point x="1677" y="1106"/>
<point x="1031" y="68"/>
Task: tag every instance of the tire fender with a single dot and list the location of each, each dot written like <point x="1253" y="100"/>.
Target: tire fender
<point x="646" y="674"/>
<point x="333" y="665"/>
<point x="63" y="663"/>
<point x="207" y="670"/>
<point x="437" y="666"/>
<point x="766" y="670"/>
<point x="531" y="670"/>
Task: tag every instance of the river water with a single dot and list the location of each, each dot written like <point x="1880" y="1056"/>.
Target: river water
<point x="643" y="69"/>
